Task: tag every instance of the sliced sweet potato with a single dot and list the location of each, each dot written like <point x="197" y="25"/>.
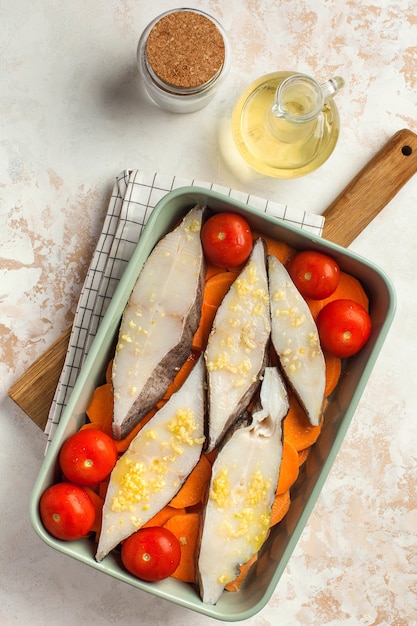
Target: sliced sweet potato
<point x="97" y="501"/>
<point x="297" y="428"/>
<point x="280" y="507"/>
<point x="109" y="371"/>
<point x="302" y="456"/>
<point x="333" y="372"/>
<point x="192" y="491"/>
<point x="186" y="528"/>
<point x="100" y="409"/>
<point x="282" y="251"/>
<point x="163" y="516"/>
<point x="236" y="584"/>
<point x="216" y="286"/>
<point x="349" y="288"/>
<point x="289" y="467"/>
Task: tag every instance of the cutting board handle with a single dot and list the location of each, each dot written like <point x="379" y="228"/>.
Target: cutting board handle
<point x="371" y="189"/>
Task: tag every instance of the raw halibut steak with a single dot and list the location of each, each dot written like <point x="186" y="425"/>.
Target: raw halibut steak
<point x="236" y="348"/>
<point x="158" y="323"/>
<point x="296" y="341"/>
<point x="156" y="463"/>
<point x="242" y="490"/>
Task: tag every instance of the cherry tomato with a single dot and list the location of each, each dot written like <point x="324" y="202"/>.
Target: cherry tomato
<point x="151" y="553"/>
<point x="344" y="327"/>
<point x="87" y="457"/>
<point x="67" y="511"/>
<point x="316" y="275"/>
<point x="227" y="239"/>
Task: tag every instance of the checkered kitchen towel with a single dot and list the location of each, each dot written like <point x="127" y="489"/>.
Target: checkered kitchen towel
<point x="134" y="196"/>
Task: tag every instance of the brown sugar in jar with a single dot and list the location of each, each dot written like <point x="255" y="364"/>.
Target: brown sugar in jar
<point x="183" y="57"/>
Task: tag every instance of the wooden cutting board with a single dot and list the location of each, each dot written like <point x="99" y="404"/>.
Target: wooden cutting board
<point x="363" y="198"/>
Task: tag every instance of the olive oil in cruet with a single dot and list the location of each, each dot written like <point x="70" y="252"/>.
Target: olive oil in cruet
<point x="286" y="124"/>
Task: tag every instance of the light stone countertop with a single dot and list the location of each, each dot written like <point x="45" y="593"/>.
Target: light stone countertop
<point x="72" y="116"/>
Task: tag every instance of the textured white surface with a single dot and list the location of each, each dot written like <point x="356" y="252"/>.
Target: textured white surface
<point x="72" y="116"/>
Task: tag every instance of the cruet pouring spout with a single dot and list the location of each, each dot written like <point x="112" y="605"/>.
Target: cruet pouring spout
<point x="331" y="86"/>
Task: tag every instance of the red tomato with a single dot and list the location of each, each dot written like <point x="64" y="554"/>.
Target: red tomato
<point x="87" y="457"/>
<point x="67" y="511"/>
<point x="151" y="553"/>
<point x="227" y="239"/>
<point x="316" y="275"/>
<point x="344" y="327"/>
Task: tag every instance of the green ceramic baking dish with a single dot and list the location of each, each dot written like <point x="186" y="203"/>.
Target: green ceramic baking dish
<point x="261" y="582"/>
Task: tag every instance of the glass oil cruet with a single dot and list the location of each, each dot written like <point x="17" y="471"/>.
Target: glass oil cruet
<point x="286" y="124"/>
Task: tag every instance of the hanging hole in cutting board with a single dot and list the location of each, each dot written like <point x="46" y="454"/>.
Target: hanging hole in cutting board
<point x="407" y="150"/>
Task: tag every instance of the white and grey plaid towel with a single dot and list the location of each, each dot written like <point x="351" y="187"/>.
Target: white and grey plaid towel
<point x="134" y="196"/>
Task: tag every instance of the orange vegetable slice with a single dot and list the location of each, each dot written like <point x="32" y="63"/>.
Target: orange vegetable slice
<point x="186" y="528"/>
<point x="236" y="584"/>
<point x="100" y="409"/>
<point x="297" y="429"/>
<point x="217" y="286"/>
<point x="288" y="473"/>
<point x="282" y="251"/>
<point x="98" y="502"/>
<point x="211" y="456"/>
<point x="349" y="288"/>
<point x="333" y="372"/>
<point x="280" y="507"/>
<point x="163" y="516"/>
<point x="194" y="488"/>
<point x="201" y="335"/>
<point x="302" y="456"/>
<point x="109" y="371"/>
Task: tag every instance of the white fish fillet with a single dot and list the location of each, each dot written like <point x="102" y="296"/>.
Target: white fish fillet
<point x="156" y="464"/>
<point x="235" y="353"/>
<point x="296" y="341"/>
<point x="242" y="490"/>
<point x="158" y="323"/>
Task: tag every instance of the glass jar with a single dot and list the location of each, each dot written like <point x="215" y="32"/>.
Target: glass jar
<point x="183" y="57"/>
